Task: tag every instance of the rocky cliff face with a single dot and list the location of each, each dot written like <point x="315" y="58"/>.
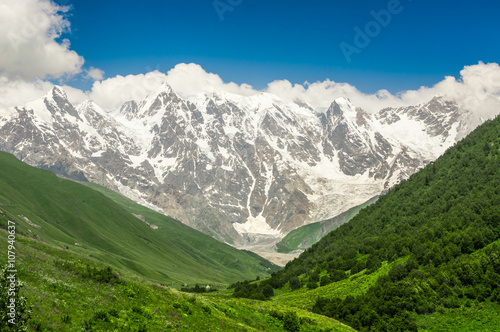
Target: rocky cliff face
<point x="237" y="168"/>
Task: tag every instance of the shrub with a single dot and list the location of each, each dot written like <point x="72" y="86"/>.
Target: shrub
<point x="101" y="315"/>
<point x="113" y="312"/>
<point x="337" y="275"/>
<point x="312" y="285"/>
<point x="207" y="309"/>
<point x="138" y="310"/>
<point x="325" y="280"/>
<point x="187" y="309"/>
<point x="276" y="314"/>
<point x="295" y="283"/>
<point x="87" y="325"/>
<point x="314" y="277"/>
<point x="104" y="275"/>
<point x="66" y="319"/>
<point x="267" y="291"/>
<point x="495" y="296"/>
<point x="291" y="322"/>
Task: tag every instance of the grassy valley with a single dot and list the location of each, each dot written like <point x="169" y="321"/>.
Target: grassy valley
<point x="95" y="261"/>
<point x="126" y="235"/>
<point x="68" y="291"/>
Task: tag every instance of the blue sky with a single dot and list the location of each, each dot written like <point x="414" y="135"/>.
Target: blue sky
<point x="261" y="41"/>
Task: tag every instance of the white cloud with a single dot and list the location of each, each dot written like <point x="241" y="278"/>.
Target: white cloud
<point x="95" y="73"/>
<point x="187" y="80"/>
<point x="478" y="90"/>
<point x="113" y="92"/>
<point x="28" y="45"/>
<point x="30" y="51"/>
<point x="17" y="92"/>
<point x="320" y="95"/>
<point x="75" y="96"/>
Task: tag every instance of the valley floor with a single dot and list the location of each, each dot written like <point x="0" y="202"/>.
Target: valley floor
<point x="267" y="250"/>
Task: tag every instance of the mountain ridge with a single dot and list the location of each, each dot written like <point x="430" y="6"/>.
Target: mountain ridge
<point x="237" y="168"/>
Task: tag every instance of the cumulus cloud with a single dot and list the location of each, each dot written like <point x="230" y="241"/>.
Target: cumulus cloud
<point x="187" y="80"/>
<point x="95" y="74"/>
<point x="19" y="92"/>
<point x="113" y="92"/>
<point x="31" y="51"/>
<point x="477" y="89"/>
<point x="191" y="79"/>
<point x="320" y="95"/>
<point x="29" y="48"/>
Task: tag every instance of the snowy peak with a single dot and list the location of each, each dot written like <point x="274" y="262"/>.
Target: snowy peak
<point x="436" y="113"/>
<point x="359" y="149"/>
<point x="57" y="93"/>
<point x="429" y="128"/>
<point x="89" y="105"/>
<point x="236" y="167"/>
<point x="57" y="103"/>
<point x="341" y="105"/>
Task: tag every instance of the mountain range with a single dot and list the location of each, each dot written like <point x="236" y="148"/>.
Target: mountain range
<point x="238" y="168"/>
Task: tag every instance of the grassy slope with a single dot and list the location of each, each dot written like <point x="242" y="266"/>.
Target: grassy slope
<point x="483" y="317"/>
<point x="354" y="285"/>
<point x="305" y="236"/>
<point x="293" y="240"/>
<point x="63" y="213"/>
<point x="63" y="300"/>
<point x="197" y="241"/>
<point x="470" y="316"/>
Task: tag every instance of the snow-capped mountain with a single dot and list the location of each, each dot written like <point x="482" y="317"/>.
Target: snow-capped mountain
<point x="235" y="167"/>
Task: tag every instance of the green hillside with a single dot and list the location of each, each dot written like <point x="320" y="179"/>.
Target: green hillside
<point x="75" y="217"/>
<point x="425" y="256"/>
<point x="68" y="291"/>
<point x="305" y="236"/>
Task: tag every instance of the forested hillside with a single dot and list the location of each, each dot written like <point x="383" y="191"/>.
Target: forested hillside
<point x="438" y="232"/>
